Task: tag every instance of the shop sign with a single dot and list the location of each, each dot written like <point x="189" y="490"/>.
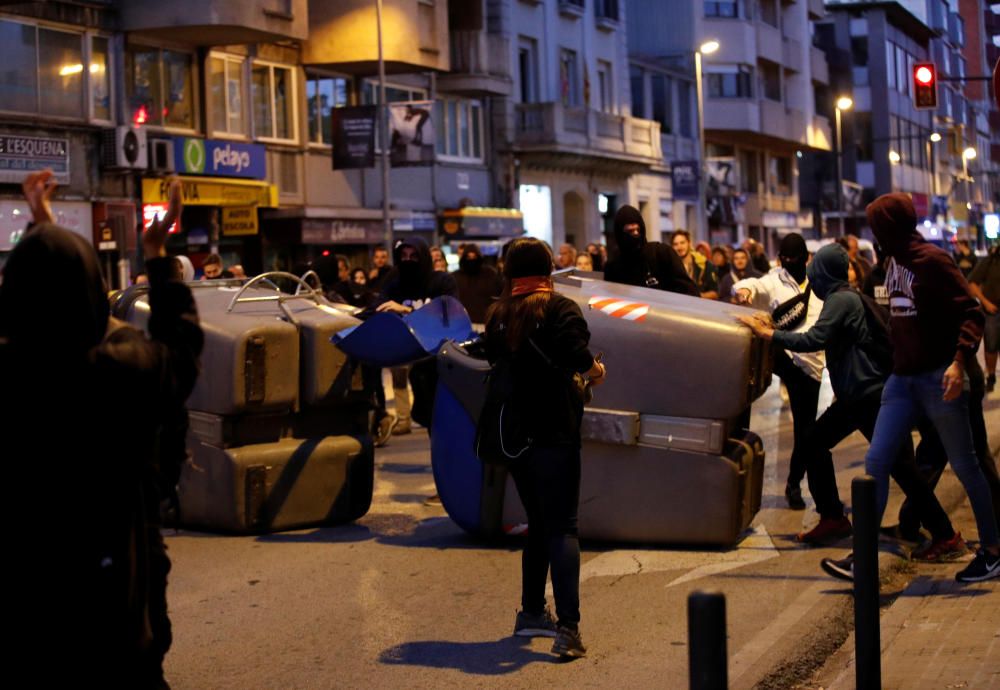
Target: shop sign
<point x="239" y="220"/>
<point x="684" y="180"/>
<point x="353" y="133"/>
<point x="778" y="219"/>
<point x="318" y="231"/>
<point x="21" y="155"/>
<point x="72" y="215"/>
<point x="218" y="157"/>
<point x="213" y="192"/>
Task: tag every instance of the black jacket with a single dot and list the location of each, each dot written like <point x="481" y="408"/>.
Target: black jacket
<point x="643" y="263"/>
<point x="544" y="391"/>
<point x="423" y="284"/>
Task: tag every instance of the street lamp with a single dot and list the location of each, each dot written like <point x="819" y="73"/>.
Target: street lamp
<point x="843" y="103"/>
<point x="932" y="161"/>
<point x="894" y="157"/>
<point x="967" y="155"/>
<point x="706" y="48"/>
<point x="935" y="137"/>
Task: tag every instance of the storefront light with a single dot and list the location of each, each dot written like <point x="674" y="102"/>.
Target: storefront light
<point x="70" y="70"/>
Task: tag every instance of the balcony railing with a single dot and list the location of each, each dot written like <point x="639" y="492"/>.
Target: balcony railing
<point x="576" y="129"/>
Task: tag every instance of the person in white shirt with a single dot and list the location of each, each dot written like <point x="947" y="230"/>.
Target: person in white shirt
<point x="784" y="293"/>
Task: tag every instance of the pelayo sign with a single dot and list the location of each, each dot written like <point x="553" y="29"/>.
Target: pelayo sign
<point x="220" y="158"/>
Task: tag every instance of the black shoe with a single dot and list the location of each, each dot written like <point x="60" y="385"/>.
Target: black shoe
<point x="991" y="383"/>
<point x="895" y="532"/>
<point x="535" y="624"/>
<point x="568" y="643"/>
<point x="983" y="567"/>
<point x="842" y="569"/>
<point x="793" y="494"/>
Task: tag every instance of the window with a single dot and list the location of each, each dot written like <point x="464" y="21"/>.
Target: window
<point x="685" y="97"/>
<point x="459" y="128"/>
<point x="780" y="174"/>
<point x="729" y="10"/>
<point x="393" y="94"/>
<point x="569" y="75"/>
<point x="226" y="86"/>
<point x="606" y="9"/>
<point x="160" y="87"/>
<point x="323" y="94"/>
<point x="637" y="81"/>
<point x="729" y="81"/>
<point x="662" y="102"/>
<point x="527" y="71"/>
<point x="749" y="172"/>
<point x="770" y="80"/>
<point x="862" y="125"/>
<point x="769" y="12"/>
<point x="605" y="99"/>
<point x="890" y="65"/>
<point x="43" y="72"/>
<point x="272" y="93"/>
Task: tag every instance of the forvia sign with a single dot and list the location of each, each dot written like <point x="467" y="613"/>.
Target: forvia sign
<point x="220" y="158"/>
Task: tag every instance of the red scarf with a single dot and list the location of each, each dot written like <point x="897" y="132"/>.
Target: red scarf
<point x="530" y="284"/>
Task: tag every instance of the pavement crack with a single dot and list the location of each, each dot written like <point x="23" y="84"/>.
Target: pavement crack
<point x="637" y="571"/>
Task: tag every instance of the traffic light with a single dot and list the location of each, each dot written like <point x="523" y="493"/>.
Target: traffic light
<point x="925" y="86"/>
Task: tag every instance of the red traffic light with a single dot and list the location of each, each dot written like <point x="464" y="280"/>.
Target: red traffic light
<point x="925" y="86"/>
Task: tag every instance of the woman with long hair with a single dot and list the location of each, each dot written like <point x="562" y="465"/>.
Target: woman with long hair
<point x="546" y="338"/>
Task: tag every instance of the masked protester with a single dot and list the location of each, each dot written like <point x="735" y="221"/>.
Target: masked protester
<point x="784" y="292"/>
<point x="643" y="263"/>
<point x="94" y="427"/>
<point x="478" y="284"/>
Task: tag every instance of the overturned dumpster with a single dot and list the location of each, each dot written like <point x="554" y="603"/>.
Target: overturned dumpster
<point x="279" y="432"/>
<point x="666" y="457"/>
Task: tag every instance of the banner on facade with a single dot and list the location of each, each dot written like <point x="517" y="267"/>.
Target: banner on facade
<point x="684" y="180"/>
<point x="411" y="133"/>
<point x="721" y="176"/>
<point x="22" y="155"/>
<point x="853" y="197"/>
<point x="353" y="135"/>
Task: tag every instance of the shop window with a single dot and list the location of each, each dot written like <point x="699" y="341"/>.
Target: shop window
<point x="729" y="81"/>
<point x="42" y="71"/>
<point x="160" y="87"/>
<point x="272" y="93"/>
<point x="323" y="94"/>
<point x="459" y="129"/>
<point x="226" y="89"/>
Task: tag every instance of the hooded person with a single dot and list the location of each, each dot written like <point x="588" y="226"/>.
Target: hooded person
<point x="86" y="462"/>
<point x="643" y="263"/>
<point x="478" y="284"/>
<point x="935" y="327"/>
<point x="187" y="268"/>
<point x="857" y="375"/>
<point x="737" y="269"/>
<point x="784" y="292"/>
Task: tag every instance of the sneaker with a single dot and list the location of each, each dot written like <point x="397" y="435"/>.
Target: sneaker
<point x="403" y="426"/>
<point x="793" y="494"/>
<point x="983" y="567"/>
<point x="842" y="569"/>
<point x="568" y="643"/>
<point x="828" y="531"/>
<point x="385" y="428"/>
<point x="940" y="550"/>
<point x="535" y="624"/>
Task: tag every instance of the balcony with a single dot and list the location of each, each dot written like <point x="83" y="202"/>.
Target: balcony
<point x="734" y="114"/>
<point x="816" y="9"/>
<point x="791" y="54"/>
<point x="818" y="66"/>
<point x="215" y="22"/>
<point x="480" y="65"/>
<point x="554" y="128"/>
<point x="769" y="44"/>
<point x="678" y="148"/>
<point x="774" y="120"/>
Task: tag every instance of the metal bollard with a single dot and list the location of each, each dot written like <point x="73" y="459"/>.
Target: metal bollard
<point x="707" y="659"/>
<point x="868" y="667"/>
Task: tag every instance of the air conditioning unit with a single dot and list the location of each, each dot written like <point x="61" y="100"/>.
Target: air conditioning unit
<point x="161" y="155"/>
<point x="124" y="147"/>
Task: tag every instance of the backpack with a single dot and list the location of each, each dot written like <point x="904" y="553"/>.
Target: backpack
<point x="879" y="346"/>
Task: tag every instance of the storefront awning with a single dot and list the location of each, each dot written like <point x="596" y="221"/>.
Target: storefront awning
<point x="478" y="221"/>
<point x="213" y="191"/>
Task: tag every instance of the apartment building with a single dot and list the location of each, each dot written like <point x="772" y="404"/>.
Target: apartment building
<point x="761" y="89"/>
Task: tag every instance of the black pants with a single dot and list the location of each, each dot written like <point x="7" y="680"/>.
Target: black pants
<point x="548" y="481"/>
<point x="803" y="397"/>
<point x="371" y="382"/>
<point x="931" y="457"/>
<point x="837" y="423"/>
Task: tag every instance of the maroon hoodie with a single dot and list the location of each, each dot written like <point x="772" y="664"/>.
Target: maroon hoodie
<point x="934" y="317"/>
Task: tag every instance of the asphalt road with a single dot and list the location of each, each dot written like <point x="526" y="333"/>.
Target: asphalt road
<point x="403" y="598"/>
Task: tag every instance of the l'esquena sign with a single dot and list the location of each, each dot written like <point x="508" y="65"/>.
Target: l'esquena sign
<point x="21" y="155"/>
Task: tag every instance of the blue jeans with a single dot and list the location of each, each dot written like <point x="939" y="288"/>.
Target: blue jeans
<point x="904" y="400"/>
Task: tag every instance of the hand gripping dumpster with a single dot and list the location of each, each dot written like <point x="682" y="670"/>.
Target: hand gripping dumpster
<point x="279" y="434"/>
<point x="665" y="456"/>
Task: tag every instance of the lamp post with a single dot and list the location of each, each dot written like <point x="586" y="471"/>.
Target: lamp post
<point x="383" y="124"/>
<point x="843" y="103"/>
<point x="967" y="155"/>
<point x="706" y="48"/>
<point x="932" y="161"/>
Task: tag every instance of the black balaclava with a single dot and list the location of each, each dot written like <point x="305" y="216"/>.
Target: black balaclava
<point x="794" y="255"/>
<point x="53" y="303"/>
<point x="471" y="261"/>
<point x="627" y="244"/>
<point x="414" y="276"/>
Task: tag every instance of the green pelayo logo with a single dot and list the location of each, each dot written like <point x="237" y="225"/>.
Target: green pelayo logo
<point x="194" y="155"/>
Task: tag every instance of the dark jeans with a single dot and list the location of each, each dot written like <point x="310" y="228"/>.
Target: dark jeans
<point x="371" y="382"/>
<point x="840" y="420"/>
<point x="803" y="397"/>
<point x="931" y="457"/>
<point x="548" y="481"/>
